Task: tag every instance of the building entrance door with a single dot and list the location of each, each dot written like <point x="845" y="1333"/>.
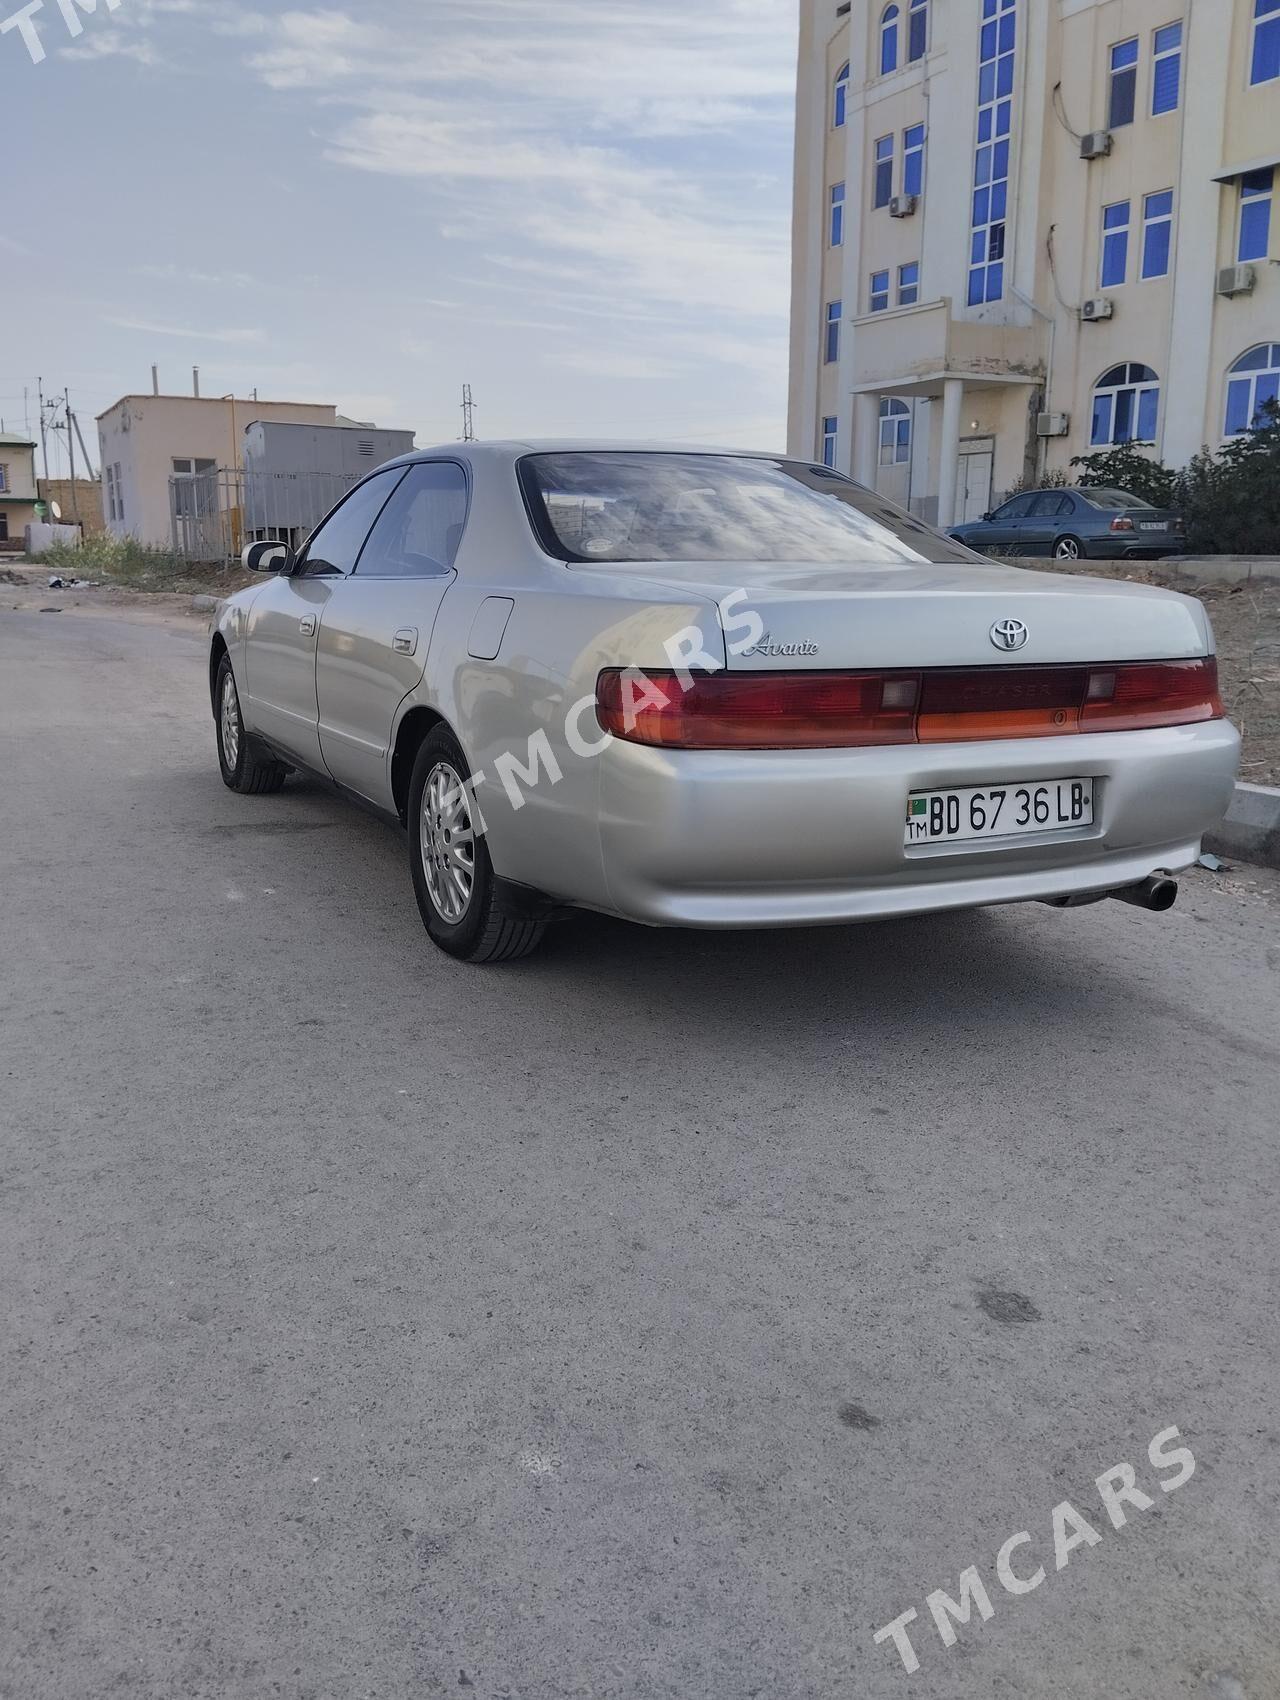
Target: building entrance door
<point x="975" y="479"/>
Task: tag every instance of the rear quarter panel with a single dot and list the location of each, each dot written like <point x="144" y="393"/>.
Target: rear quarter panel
<point x="560" y="634"/>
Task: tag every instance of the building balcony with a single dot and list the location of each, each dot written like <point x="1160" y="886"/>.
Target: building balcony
<point x="914" y="350"/>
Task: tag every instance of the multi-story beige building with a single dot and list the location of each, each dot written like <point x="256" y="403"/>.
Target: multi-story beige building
<point x="1029" y="229"/>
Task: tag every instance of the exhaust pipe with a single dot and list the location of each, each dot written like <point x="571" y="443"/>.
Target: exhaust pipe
<point x="1157" y="892"/>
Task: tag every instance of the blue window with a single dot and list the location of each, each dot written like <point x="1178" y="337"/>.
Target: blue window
<point x="1252" y="382"/>
<point x="1115" y="244"/>
<point x="997" y="43"/>
<point x="1166" y="69"/>
<point x="913" y="160"/>
<point x="1256" y="188"/>
<point x="1265" y="65"/>
<point x="883" y="186"/>
<point x="917" y="30"/>
<point x="829" y="432"/>
<point x="889" y="40"/>
<point x="837" y="215"/>
<point x="1157" y="227"/>
<point x="895" y="432"/>
<point x="1123" y="100"/>
<point x="909" y="284"/>
<point x="841" y="109"/>
<point x="832" y="351"/>
<point x="1126" y="406"/>
<point x="879" y="291"/>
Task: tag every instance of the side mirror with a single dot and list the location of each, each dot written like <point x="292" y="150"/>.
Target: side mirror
<point x="988" y="516"/>
<point x="267" y="558"/>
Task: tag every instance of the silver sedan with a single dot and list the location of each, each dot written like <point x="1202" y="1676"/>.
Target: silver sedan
<point x="713" y="689"/>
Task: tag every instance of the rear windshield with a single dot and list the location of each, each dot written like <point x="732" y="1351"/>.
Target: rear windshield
<point x="1113" y="499"/>
<point x="615" y="506"/>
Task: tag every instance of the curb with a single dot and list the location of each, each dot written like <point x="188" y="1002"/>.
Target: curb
<point x="1251" y="830"/>
<point x="1222" y="569"/>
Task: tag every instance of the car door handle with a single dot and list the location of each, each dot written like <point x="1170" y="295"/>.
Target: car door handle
<point x="405" y="641"/>
<point x="307" y="625"/>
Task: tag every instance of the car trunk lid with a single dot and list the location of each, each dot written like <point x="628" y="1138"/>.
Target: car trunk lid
<point x="823" y="617"/>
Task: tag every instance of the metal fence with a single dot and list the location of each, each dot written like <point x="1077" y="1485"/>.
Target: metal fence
<point x="214" y="514"/>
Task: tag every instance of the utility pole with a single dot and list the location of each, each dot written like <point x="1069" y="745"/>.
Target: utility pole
<point x="44" y="446"/>
<point x="468" y="415"/>
<point x="88" y="458"/>
<point x="71" y="459"/>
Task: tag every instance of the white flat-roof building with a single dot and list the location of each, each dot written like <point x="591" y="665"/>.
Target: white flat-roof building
<point x="146" y="440"/>
<point x="1030" y="229"/>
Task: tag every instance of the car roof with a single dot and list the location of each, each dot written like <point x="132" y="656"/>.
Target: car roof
<point x="513" y="449"/>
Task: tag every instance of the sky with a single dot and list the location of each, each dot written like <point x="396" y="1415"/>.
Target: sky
<point x="579" y="207"/>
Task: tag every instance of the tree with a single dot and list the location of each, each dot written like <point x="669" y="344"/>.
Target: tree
<point x="1125" y="467"/>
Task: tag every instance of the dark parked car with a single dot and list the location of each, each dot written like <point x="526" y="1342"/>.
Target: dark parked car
<point x="1074" y="524"/>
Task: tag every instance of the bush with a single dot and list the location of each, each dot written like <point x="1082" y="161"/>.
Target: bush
<point x="1231" y="498"/>
<point x="1127" y="468"/>
<point x="1050" y="480"/>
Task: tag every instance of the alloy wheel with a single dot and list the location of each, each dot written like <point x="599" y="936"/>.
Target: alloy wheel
<point x="230" y="722"/>
<point x="448" y="843"/>
<point x="1068" y="550"/>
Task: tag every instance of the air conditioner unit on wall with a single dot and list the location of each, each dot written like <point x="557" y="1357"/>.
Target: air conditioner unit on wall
<point x="1236" y="280"/>
<point x="1096" y="145"/>
<point x="1052" y="424"/>
<point x="1099" y="308"/>
<point x="902" y="206"/>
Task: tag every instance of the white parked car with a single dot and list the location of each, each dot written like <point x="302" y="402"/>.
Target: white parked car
<point x="714" y="689"/>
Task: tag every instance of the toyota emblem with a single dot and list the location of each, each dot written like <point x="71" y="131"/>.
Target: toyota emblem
<point x="1009" y="634"/>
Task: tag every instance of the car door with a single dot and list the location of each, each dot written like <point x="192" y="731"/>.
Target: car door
<point x="1037" y="530"/>
<point x="378" y="622"/>
<point x="286" y="615"/>
<point x="1002" y="530"/>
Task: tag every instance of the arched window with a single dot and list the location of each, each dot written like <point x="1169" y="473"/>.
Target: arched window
<point x="1126" y="406"/>
<point x="895" y="431"/>
<point x="842" y="97"/>
<point x="1253" y="381"/>
<point x="917" y="30"/>
<point x="889" y="40"/>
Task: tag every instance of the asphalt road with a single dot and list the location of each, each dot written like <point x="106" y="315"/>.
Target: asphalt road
<point x="659" y="1317"/>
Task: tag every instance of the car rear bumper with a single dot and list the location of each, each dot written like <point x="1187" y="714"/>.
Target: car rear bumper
<point x="1133" y="547"/>
<point x="763" y="838"/>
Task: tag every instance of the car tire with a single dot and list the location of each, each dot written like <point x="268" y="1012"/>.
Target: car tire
<point x="1068" y="549"/>
<point x="452" y="872"/>
<point x="241" y="770"/>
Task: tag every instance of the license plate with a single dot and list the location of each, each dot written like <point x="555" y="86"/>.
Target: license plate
<point x="1153" y="525"/>
<point x="998" y="811"/>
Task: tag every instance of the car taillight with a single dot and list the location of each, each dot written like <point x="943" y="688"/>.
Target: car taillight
<point x="799" y="711"/>
<point x="759" y="711"/>
<point x="1122" y="524"/>
<point x="1151" y="693"/>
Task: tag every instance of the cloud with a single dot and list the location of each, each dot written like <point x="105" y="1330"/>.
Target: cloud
<point x="202" y="334"/>
<point x="170" y="273"/>
<point x="565" y="113"/>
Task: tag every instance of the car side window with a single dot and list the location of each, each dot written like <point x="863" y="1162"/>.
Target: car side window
<point x="1049" y="503"/>
<point x="335" y="546"/>
<point x="1018" y="508"/>
<point x="1067" y="505"/>
<point x="418" y="532"/>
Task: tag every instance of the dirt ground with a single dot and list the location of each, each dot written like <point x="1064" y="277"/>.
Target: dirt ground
<point x="1246" y="623"/>
<point x="1246" y="620"/>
